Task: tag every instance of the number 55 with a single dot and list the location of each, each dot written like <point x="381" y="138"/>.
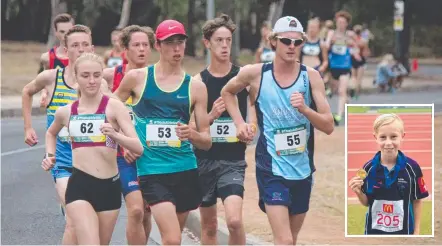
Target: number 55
<point x="293" y="140"/>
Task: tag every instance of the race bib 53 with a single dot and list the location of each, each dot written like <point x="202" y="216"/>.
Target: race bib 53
<point x="161" y="133"/>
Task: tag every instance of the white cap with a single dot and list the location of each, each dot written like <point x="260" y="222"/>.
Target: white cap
<point x="288" y="24"/>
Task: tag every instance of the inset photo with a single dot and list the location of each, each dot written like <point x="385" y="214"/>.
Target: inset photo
<point x="389" y="170"/>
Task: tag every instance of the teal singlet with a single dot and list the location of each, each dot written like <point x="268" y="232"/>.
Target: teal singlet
<point x="156" y="115"/>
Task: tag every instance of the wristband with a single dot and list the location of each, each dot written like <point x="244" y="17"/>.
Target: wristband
<point x="47" y="155"/>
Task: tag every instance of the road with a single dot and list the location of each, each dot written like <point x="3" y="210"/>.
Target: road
<point x="30" y="213"/>
<point x="424" y="97"/>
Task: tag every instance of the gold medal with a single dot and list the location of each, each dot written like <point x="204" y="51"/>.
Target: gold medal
<point x="361" y="173"/>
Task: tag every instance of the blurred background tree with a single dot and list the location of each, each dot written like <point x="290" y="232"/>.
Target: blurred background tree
<point x="31" y="19"/>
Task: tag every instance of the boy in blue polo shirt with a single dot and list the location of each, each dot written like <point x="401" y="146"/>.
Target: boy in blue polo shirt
<point x="394" y="183"/>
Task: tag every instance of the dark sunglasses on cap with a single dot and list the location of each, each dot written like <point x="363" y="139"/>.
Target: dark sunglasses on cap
<point x="288" y="41"/>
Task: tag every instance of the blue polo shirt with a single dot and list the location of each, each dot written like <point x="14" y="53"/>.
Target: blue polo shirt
<point x="391" y="194"/>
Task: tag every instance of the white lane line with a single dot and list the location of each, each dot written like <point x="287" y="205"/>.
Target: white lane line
<point x="405" y="140"/>
<point x="17" y="151"/>
<point x="356" y="169"/>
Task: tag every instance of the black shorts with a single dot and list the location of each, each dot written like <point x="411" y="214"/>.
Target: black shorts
<point x="220" y="179"/>
<point x="338" y="72"/>
<point x="181" y="188"/>
<point x="357" y="64"/>
<point x="102" y="194"/>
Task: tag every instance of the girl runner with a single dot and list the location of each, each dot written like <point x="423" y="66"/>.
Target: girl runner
<point x="313" y="52"/>
<point x="265" y="53"/>
<point x="93" y="194"/>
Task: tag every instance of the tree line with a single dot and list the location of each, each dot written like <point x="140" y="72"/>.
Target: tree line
<point x="30" y="20"/>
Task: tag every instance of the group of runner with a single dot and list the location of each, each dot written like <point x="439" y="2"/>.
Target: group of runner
<point x="173" y="158"/>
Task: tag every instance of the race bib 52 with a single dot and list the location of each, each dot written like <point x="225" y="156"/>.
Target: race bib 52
<point x="223" y="130"/>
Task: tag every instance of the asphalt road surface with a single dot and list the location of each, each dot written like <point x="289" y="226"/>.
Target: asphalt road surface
<point x="30" y="213"/>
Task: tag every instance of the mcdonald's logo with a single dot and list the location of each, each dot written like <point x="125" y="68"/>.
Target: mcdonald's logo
<point x="422" y="186"/>
<point x="388" y="208"/>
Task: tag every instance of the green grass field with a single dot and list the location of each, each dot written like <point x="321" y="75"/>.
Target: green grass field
<point x="356" y="219"/>
<point x="386" y="110"/>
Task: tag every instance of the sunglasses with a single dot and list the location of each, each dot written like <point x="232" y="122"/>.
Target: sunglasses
<point x="288" y="41"/>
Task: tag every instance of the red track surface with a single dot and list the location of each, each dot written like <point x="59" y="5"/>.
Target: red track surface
<point x="361" y="145"/>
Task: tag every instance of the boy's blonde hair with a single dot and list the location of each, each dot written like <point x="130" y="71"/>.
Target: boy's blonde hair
<point x="386" y="119"/>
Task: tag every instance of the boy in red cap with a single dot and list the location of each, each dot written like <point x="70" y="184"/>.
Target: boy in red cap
<point x="164" y="98"/>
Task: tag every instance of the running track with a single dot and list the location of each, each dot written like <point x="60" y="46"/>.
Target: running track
<point x="361" y="145"/>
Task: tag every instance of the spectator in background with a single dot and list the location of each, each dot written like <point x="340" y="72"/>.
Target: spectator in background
<point x="389" y="74"/>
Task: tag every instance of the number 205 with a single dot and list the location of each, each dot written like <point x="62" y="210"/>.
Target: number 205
<point x="387" y="220"/>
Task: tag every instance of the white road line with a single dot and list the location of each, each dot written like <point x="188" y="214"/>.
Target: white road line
<point x="406" y="126"/>
<point x="368" y="132"/>
<point x="356" y="169"/>
<point x="409" y="151"/>
<point x="405" y="140"/>
<point x="17" y="151"/>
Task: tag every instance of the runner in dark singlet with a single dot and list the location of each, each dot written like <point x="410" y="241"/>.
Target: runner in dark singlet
<point x="358" y="61"/>
<point x="137" y="43"/>
<point x="222" y="176"/>
<point x="94" y="122"/>
<point x="56" y="57"/>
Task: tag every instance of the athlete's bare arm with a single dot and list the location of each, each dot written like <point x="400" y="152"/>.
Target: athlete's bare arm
<point x="321" y="119"/>
<point x="44" y="60"/>
<point x="106" y="86"/>
<point x="329" y="38"/>
<point x="129" y="139"/>
<point x="258" y="55"/>
<point x="248" y="76"/>
<point x="324" y="53"/>
<point x="192" y="123"/>
<point x="417" y="212"/>
<point x="106" y="56"/>
<point x="44" y="80"/>
<point x="201" y="138"/>
<point x="108" y="75"/>
<point x="132" y="84"/>
<point x="251" y="112"/>
<point x="60" y="120"/>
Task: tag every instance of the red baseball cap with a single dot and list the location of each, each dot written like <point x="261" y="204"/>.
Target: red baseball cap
<point x="169" y="28"/>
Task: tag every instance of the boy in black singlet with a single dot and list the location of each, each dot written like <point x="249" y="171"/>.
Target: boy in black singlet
<point x="222" y="168"/>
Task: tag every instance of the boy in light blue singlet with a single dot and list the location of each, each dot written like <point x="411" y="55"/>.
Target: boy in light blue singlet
<point x="290" y="102"/>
